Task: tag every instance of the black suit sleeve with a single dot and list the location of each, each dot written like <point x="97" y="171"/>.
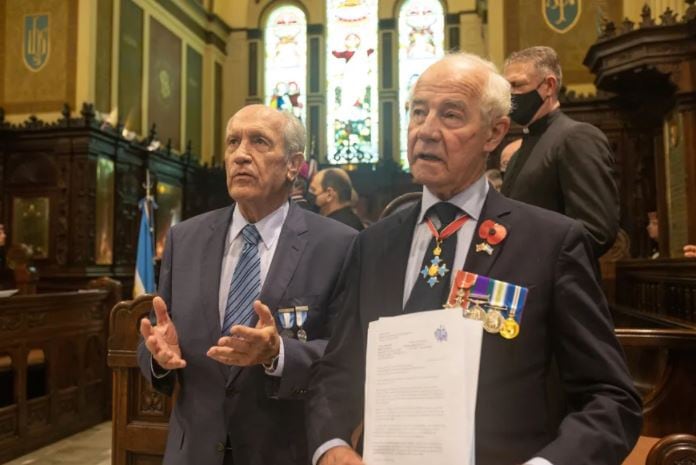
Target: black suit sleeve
<point x="590" y="195"/>
<point x="165" y="384"/>
<point x="604" y="418"/>
<point x="335" y="405"/>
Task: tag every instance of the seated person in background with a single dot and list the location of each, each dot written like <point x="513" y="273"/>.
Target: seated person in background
<point x="653" y="229"/>
<point x="3" y="237"/>
<point x="331" y="191"/>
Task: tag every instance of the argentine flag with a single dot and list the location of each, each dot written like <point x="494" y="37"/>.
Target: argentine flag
<point x="144" y="266"/>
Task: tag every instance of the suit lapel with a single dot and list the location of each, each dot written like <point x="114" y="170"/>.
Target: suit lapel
<point x="291" y="244"/>
<point x="211" y="266"/>
<point x="395" y="257"/>
<point x="495" y="208"/>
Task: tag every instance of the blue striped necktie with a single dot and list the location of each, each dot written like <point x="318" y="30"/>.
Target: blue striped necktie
<point x="246" y="282"/>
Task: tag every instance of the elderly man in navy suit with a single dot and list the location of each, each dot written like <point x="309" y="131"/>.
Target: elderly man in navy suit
<point x="245" y="306"/>
<point x="459" y="111"/>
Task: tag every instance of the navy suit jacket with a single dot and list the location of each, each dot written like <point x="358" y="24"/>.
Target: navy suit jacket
<point x="565" y="317"/>
<point x="260" y="416"/>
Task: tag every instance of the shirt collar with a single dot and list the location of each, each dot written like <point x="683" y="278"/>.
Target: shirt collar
<point x="268" y="227"/>
<point x="469" y="200"/>
<point x="540" y="125"/>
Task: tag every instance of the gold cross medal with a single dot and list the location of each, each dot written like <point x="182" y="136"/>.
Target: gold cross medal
<point x="437" y="269"/>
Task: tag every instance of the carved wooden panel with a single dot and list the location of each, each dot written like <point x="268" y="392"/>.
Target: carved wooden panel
<point x="59" y="161"/>
<point x="47" y="335"/>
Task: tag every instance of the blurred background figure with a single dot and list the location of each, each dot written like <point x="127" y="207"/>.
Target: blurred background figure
<point x="332" y="193"/>
<point x="495" y="178"/>
<point x="653" y="229"/>
<point x="299" y="192"/>
<point x="507" y="153"/>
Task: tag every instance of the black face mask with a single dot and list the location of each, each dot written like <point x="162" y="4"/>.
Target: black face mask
<point x="525" y="106"/>
<point x="312" y="201"/>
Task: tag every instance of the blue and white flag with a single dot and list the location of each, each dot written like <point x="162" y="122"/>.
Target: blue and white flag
<point x="144" y="282"/>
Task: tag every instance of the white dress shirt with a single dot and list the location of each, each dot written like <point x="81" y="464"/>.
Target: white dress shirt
<point x="269" y="229"/>
<point x="470" y="201"/>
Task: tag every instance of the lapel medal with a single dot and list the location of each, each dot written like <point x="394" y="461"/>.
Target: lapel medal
<point x="475" y="311"/>
<point x="301" y="316"/>
<point x="515" y="299"/>
<point x="286" y="317"/>
<point x="494" y="319"/>
<point x="459" y="295"/>
<point x="492" y="234"/>
<point x="438" y="268"/>
<point x="478" y="298"/>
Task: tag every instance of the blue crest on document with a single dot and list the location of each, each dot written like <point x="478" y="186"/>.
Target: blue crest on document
<point x="36" y="41"/>
<point x="441" y="334"/>
<point x="561" y="15"/>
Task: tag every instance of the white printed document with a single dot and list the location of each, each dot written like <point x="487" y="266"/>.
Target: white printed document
<point x="420" y="389"/>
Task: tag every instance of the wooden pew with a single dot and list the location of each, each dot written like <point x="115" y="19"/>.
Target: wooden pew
<point x="53" y="375"/>
<point x="140" y="413"/>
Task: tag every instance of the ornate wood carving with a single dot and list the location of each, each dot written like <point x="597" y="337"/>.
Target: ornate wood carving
<point x="664" y="289"/>
<point x="59" y="160"/>
<point x="72" y="390"/>
<point x="676" y="449"/>
<point x="648" y="57"/>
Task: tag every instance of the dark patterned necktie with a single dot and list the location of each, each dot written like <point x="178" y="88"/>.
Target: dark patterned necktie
<point x="424" y="296"/>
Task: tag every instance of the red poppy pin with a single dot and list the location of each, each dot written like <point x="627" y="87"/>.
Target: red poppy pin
<point x="492" y="234"/>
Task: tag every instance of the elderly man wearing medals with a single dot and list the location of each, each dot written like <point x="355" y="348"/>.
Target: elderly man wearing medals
<point x="485" y="299"/>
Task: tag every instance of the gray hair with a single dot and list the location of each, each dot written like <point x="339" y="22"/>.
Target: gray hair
<point x="294" y="134"/>
<point x="544" y="59"/>
<point x="495" y="93"/>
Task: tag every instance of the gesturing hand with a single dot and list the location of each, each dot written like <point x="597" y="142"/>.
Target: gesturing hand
<point x="341" y="455"/>
<point x="249" y="346"/>
<point x="161" y="340"/>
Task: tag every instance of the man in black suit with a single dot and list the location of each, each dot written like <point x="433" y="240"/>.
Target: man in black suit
<point x="458" y="116"/>
<point x="563" y="165"/>
<point x="331" y="191"/>
<point x="246" y="306"/>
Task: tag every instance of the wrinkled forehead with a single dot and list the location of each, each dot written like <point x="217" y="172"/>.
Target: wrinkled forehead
<point x="464" y="84"/>
<point x="256" y="117"/>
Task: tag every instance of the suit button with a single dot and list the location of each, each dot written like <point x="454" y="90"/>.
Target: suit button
<point x="220" y="447"/>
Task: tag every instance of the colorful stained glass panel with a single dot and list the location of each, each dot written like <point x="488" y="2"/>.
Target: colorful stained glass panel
<point x="285" y="39"/>
<point x="421" y="42"/>
<point x="351" y="68"/>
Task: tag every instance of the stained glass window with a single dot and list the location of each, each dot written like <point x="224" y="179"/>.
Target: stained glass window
<point x="421" y="42"/>
<point x="285" y="39"/>
<point x="351" y="68"/>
